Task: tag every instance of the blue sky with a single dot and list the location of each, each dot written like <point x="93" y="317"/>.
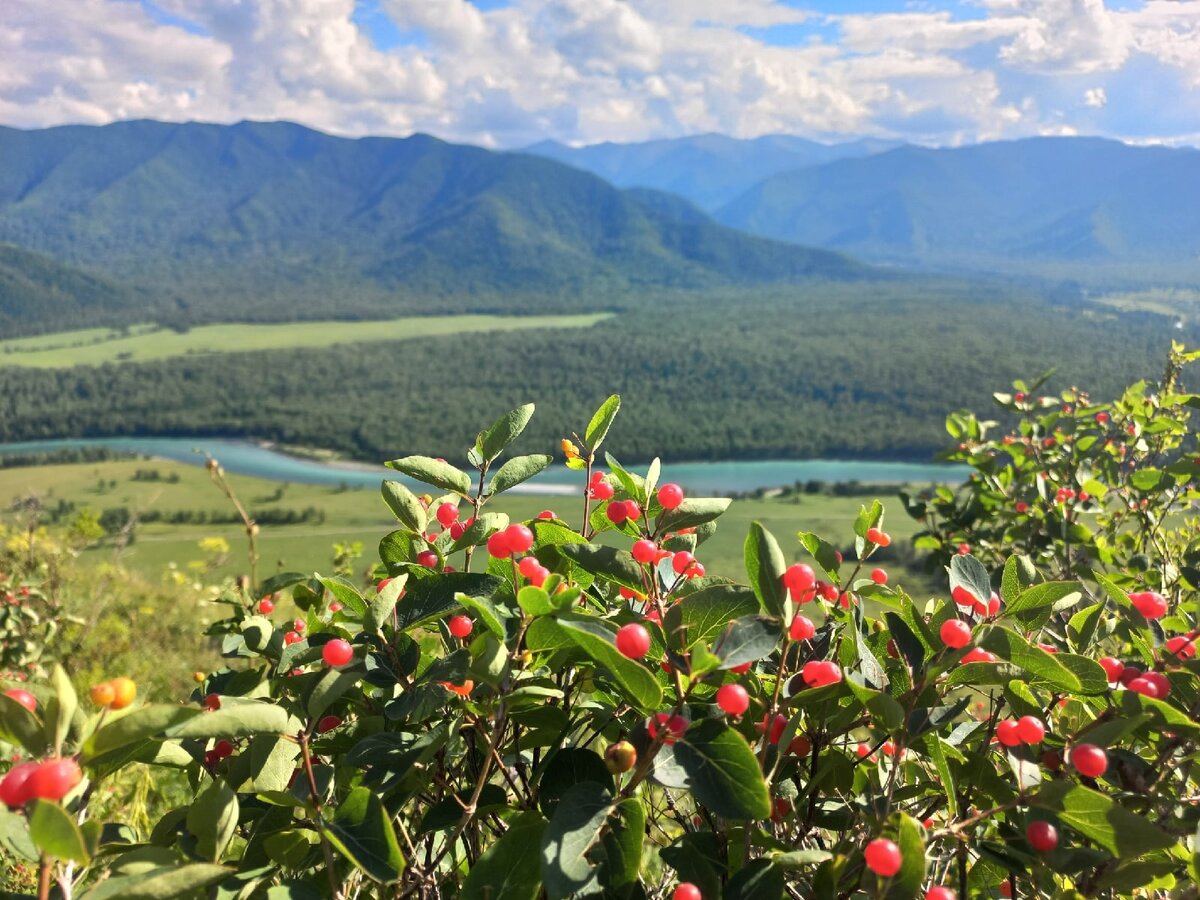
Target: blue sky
<point x="511" y="72"/>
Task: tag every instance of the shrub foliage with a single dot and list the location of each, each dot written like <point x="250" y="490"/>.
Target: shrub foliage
<point x="547" y="709"/>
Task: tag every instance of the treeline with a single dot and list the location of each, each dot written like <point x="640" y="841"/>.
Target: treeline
<point x="115" y="518"/>
<point x="836" y="370"/>
<point x="65" y="456"/>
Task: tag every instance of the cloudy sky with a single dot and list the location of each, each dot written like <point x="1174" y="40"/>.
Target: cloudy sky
<point x="511" y="72"/>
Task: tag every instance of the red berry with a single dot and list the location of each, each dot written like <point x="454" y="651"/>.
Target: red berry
<point x="223" y="749"/>
<point x="742" y="669"/>
<point x="827" y="591"/>
<point x="964" y="549"/>
<point x="963" y="597"/>
<point x="337" y="652"/>
<point x="682" y="561"/>
<point x="1007" y="733"/>
<point x="1113" y="668"/>
<point x="382" y="584"/>
<point x="863" y="751"/>
<point x="687" y="891"/>
<point x="1160" y="682"/>
<point x="819" y="673"/>
<point x="733" y="699"/>
<point x="978" y="654"/>
<point x="460" y="626"/>
<point x="427" y="558"/>
<point x="1143" y="685"/>
<point x="1089" y="760"/>
<point x="1031" y="729"/>
<point x="955" y="633"/>
<point x="23" y="697"/>
<point x="538" y="578"/>
<point x="778" y="725"/>
<point x="676" y="726"/>
<point x="328" y="723"/>
<point x="1181" y="646"/>
<point x="993" y="604"/>
<point x="520" y="538"/>
<point x="617" y="513"/>
<point x="879" y="576"/>
<point x="528" y="566"/>
<point x="498" y="547"/>
<point x="801" y="628"/>
<point x="878" y="537"/>
<point x="633" y="512"/>
<point x="1150" y="604"/>
<point x="669" y="497"/>
<point x="293" y="637"/>
<point x="940" y="893"/>
<point x="54" y="779"/>
<point x="1129" y="673"/>
<point x="14" y="787"/>
<point x="447" y="513"/>
<point x="1021" y="507"/>
<point x="265" y="606"/>
<point x="600" y="489"/>
<point x="633" y="641"/>
<point x="799" y="578"/>
<point x="212" y="702"/>
<point x="883" y="857"/>
<point x="547" y="514"/>
<point x="1042" y="836"/>
<point x="297" y="624"/>
<point x="644" y="551"/>
<point x="457" y="530"/>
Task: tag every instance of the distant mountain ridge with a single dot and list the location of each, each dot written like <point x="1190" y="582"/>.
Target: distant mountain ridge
<point x="275" y="219"/>
<point x="1051" y="205"/>
<point x="710" y="170"/>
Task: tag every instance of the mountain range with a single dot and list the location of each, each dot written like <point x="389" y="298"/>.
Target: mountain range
<point x="274" y="220"/>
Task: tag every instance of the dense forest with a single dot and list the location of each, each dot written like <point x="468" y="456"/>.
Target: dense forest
<point x="851" y="370"/>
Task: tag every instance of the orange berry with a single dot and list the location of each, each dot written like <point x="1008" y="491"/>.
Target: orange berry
<point x="103" y="694"/>
<point x="124" y="691"/>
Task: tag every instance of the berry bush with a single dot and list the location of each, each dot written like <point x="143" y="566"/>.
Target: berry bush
<point x="574" y="707"/>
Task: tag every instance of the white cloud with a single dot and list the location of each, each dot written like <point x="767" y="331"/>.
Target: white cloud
<point x="590" y="70"/>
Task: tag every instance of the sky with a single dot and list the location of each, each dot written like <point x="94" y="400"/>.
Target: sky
<point x="508" y="73"/>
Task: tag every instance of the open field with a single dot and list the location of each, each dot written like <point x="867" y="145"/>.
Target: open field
<point x="356" y="515"/>
<point x="143" y="343"/>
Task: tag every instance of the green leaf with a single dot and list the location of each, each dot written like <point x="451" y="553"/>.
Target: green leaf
<point x="695" y="857"/>
<point x="21" y="727"/>
<point x="573" y="830"/>
<point x="968" y="572"/>
<point x="362" y="832"/>
<point x="504" y="431"/>
<point x="765" y="566"/>
<point x="511" y="869"/>
<point x="404" y="505"/>
<point x="1082" y="627"/>
<point x="212" y="819"/>
<point x="65" y="704"/>
<point x="272" y="762"/>
<point x="703" y="616"/>
<point x="328" y="689"/>
<point x="606" y="562"/>
<point x="1050" y="593"/>
<point x="1010" y="582"/>
<point x="598" y="642"/>
<point x="485" y="611"/>
<point x="1037" y="662"/>
<point x="55" y="833"/>
<point x="383" y="604"/>
<point x="906" y="884"/>
<point x="534" y="601"/>
<point x="137" y="726"/>
<point x="166" y="883"/>
<point x="515" y="471"/>
<point x="480" y="530"/>
<point x="597" y="429"/>
<point x="747" y="639"/>
<point x="232" y="720"/>
<point x="759" y="879"/>
<point x="1097" y="817"/>
<point x="622" y="844"/>
<point x="693" y="511"/>
<point x="794" y="860"/>
<point x="432" y="598"/>
<point x="722" y="771"/>
<point x="345" y="592"/>
<point x="824" y="554"/>
<point x="436" y="472"/>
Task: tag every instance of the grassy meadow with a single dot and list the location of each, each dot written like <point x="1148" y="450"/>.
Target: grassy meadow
<point x="144" y="343"/>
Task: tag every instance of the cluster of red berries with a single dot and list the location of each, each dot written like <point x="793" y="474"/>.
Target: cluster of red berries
<point x="50" y="779"/>
<point x="1151" y="684"/>
<point x="1025" y="730"/>
<point x="964" y="597"/>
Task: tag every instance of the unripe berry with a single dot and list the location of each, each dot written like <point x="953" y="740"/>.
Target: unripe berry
<point x="733" y="699"/>
<point x="23" y="697"/>
<point x="1042" y="836"/>
<point x="337" y="652"/>
<point x="1089" y="760"/>
<point x="955" y="633"/>
<point x="670" y="496"/>
<point x="883" y="857"/>
<point x="633" y="641"/>
<point x="620" y="757"/>
<point x="124" y="692"/>
<point x="102" y="694"/>
<point x="460" y="626"/>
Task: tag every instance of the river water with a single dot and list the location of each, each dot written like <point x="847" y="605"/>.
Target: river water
<point x="703" y="478"/>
